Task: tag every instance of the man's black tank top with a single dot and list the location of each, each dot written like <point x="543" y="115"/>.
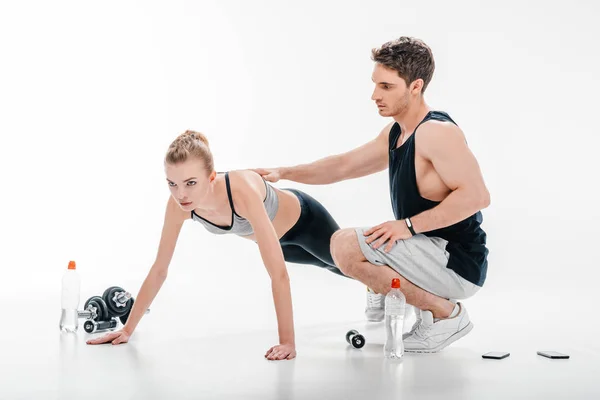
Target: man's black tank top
<point x="466" y="239"/>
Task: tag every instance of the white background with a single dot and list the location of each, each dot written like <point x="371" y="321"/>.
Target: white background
<point x="91" y="95"/>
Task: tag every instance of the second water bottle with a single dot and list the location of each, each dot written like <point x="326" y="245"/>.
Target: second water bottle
<point x="395" y="303"/>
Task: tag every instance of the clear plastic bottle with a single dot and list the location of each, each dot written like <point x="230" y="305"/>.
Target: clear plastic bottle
<point x="395" y="303"/>
<point x="71" y="286"/>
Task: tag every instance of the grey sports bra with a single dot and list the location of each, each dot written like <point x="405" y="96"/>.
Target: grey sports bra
<point x="240" y="225"/>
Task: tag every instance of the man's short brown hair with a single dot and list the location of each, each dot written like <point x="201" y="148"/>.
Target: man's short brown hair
<point x="411" y="57"/>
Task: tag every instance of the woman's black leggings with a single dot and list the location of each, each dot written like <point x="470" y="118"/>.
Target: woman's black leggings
<point x="308" y="241"/>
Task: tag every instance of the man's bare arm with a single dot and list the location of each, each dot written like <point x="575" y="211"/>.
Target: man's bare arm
<point x="367" y="159"/>
<point x="445" y="147"/>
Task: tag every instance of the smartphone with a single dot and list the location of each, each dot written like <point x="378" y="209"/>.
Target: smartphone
<point x="496" y="355"/>
<point x="553" y="354"/>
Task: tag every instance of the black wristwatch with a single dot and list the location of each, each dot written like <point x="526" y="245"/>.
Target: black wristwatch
<point x="410" y="226"/>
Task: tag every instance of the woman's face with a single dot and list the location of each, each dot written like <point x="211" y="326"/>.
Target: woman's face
<point x="189" y="183"/>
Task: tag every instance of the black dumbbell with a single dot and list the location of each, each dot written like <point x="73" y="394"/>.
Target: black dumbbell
<point x="355" y="339"/>
<point x="95" y="309"/>
<point x="91" y="326"/>
<point x="118" y="301"/>
<point x="123" y="318"/>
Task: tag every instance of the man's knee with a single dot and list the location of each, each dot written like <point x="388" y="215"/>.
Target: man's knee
<point x="342" y="245"/>
<point x="338" y="240"/>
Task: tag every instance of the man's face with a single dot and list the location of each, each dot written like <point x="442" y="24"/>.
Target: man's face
<point x="391" y="95"/>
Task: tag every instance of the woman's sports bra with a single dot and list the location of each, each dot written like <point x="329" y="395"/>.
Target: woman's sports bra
<point x="240" y="225"/>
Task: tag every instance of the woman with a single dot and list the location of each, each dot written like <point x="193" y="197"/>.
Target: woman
<point x="286" y="224"/>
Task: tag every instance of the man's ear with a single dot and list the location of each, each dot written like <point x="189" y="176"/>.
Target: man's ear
<point x="416" y="87"/>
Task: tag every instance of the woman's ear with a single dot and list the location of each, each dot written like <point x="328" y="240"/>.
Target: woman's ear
<point x="212" y="176"/>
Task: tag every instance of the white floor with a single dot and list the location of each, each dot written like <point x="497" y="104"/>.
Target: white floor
<point x="182" y="360"/>
<point x="240" y="72"/>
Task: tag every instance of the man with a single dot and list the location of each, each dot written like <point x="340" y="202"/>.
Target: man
<point x="435" y="246"/>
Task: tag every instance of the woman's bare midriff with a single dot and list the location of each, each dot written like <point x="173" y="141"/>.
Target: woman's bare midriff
<point x="287" y="214"/>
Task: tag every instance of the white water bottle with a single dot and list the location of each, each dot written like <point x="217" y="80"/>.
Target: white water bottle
<point x="395" y="303"/>
<point x="71" y="286"/>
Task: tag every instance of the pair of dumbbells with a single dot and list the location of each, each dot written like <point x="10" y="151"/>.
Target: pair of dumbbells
<point x="101" y="312"/>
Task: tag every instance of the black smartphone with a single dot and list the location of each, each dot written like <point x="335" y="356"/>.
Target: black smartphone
<point x="496" y="355"/>
<point x="553" y="354"/>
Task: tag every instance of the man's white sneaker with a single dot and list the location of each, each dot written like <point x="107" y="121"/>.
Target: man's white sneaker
<point x="432" y="336"/>
<point x="415" y="325"/>
<point x="375" y="310"/>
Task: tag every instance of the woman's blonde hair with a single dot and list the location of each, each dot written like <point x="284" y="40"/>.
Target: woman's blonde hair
<point x="190" y="144"/>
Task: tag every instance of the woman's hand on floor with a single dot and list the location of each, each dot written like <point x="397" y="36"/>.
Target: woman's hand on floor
<point x="117" y="337"/>
<point x="281" y="352"/>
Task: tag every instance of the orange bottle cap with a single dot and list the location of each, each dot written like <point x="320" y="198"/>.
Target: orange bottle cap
<point x="395" y="283"/>
<point x="71" y="264"/>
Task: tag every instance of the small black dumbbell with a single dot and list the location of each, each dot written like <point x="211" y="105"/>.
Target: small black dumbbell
<point x="95" y="308"/>
<point x="118" y="301"/>
<point x="355" y="339"/>
<point x="91" y="326"/>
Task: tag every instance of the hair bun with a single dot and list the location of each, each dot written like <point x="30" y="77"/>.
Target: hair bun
<point x="197" y="135"/>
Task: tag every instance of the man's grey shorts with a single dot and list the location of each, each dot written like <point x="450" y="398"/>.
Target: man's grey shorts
<point x="422" y="260"/>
